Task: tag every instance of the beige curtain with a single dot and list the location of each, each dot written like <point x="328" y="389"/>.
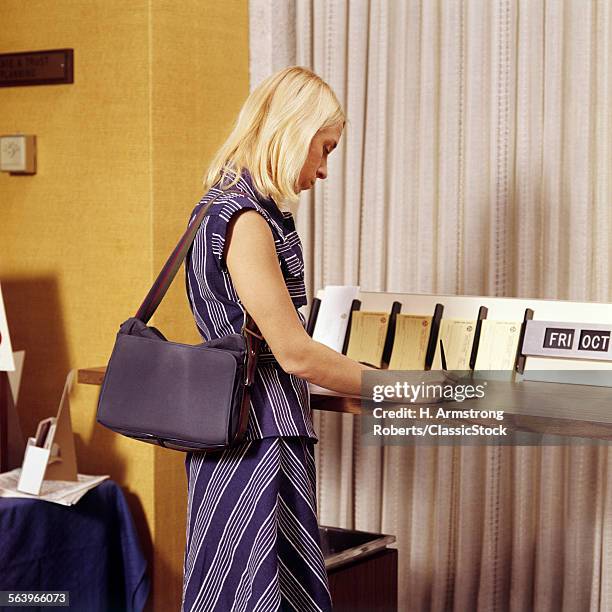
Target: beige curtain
<point x="477" y="160"/>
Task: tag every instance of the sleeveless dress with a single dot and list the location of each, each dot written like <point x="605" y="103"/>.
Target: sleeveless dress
<point x="252" y="532"/>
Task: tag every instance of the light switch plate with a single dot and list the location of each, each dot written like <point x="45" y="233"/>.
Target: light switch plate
<point x="18" y="154"/>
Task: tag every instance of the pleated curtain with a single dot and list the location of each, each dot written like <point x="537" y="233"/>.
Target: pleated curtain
<point x="477" y="160"/>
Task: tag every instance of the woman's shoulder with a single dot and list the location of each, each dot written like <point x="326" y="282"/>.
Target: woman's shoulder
<point x="229" y="201"/>
<point x="222" y="206"/>
<point x="225" y="202"/>
<point x="222" y="201"/>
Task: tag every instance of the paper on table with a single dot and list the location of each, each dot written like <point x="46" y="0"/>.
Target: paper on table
<point x="410" y="342"/>
<point x="332" y="319"/>
<point x="367" y="337"/>
<point x="457" y="335"/>
<point x="498" y="345"/>
<point x="62" y="492"/>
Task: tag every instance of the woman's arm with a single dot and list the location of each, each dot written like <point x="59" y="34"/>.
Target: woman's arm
<point x="253" y="265"/>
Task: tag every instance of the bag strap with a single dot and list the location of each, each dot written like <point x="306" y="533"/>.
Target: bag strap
<point x="171" y="267"/>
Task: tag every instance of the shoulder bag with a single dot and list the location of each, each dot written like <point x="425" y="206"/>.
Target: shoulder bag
<point x="179" y="396"/>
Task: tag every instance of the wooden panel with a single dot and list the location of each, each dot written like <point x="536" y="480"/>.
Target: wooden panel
<point x="121" y="159"/>
<point x="4" y="402"/>
<point x="366" y="585"/>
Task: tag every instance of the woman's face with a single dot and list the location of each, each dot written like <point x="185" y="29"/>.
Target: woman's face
<point x="321" y="145"/>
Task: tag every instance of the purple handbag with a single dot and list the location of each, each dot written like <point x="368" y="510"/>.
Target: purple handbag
<point x="179" y="396"/>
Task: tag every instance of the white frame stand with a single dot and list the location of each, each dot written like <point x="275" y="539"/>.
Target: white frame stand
<point x="57" y="460"/>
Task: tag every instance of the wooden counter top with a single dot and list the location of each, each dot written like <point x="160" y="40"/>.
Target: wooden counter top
<point x="529" y="406"/>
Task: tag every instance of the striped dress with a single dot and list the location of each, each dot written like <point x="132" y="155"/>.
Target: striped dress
<point x="252" y="531"/>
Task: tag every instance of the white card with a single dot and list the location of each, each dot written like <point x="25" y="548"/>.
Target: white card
<point x="457" y="335"/>
<point x="332" y="319"/>
<point x="6" y="352"/>
<point x="498" y="344"/>
<point x="33" y="469"/>
<point x="15" y="376"/>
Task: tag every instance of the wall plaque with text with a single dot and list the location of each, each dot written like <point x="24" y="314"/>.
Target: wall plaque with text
<point x="36" y="68"/>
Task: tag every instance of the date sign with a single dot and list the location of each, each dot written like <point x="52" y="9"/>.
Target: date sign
<point x="568" y="340"/>
<point x="37" y="68"/>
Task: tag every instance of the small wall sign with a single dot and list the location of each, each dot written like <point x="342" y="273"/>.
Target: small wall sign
<point x="18" y="154"/>
<point x="36" y="68"/>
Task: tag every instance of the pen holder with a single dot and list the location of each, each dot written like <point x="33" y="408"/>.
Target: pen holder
<point x="34" y="466"/>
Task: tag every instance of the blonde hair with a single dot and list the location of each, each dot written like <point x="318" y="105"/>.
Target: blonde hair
<point x="271" y="137"/>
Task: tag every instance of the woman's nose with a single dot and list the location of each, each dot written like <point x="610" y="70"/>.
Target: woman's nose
<point x="322" y="171"/>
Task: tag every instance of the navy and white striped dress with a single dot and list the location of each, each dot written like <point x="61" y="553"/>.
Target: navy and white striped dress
<point x="252" y="531"/>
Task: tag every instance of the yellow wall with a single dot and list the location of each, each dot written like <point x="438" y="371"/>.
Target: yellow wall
<point x="120" y="157"/>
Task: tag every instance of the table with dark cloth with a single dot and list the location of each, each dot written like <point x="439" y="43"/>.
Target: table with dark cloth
<point x="90" y="549"/>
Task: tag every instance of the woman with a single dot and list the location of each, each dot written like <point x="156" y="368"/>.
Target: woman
<point x="252" y="533"/>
